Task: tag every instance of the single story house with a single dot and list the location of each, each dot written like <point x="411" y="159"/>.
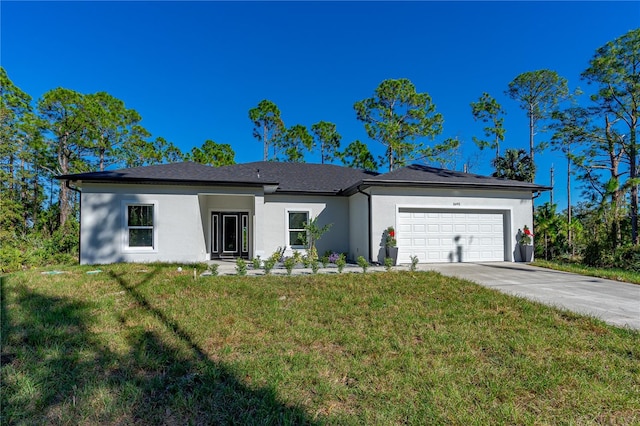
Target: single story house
<point x="189" y="212"/>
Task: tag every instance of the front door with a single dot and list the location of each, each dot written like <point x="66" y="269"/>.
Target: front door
<point x="229" y="235"/>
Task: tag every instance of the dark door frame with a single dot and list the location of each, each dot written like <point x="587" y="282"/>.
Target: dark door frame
<point x="229" y="240"/>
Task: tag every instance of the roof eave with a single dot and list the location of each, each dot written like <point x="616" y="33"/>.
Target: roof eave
<point x="307" y="192"/>
<point x="367" y="183"/>
<point x="154" y="181"/>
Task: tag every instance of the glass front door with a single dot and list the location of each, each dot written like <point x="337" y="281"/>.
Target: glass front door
<point x="229" y="235"/>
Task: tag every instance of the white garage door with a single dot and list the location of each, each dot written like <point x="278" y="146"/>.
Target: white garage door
<point x="446" y="236"/>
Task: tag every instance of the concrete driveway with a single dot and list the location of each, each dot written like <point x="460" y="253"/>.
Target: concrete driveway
<point x="611" y="301"/>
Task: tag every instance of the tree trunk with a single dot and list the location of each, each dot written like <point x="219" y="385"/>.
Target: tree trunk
<point x="531" y="142"/>
<point x="35" y="197"/>
<point x="23" y="197"/>
<point x="569" y="204"/>
<point x="102" y="159"/>
<point x="63" y="199"/>
<point x="265" y="143"/>
<point x="616" y="232"/>
<point x="63" y="163"/>
<point x="546" y="247"/>
<point x="633" y="173"/>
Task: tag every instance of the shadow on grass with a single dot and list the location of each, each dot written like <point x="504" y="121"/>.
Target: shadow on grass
<point x="60" y="371"/>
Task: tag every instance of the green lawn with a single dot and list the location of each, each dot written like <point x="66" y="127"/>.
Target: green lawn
<point x="146" y="344"/>
<point x="610" y="273"/>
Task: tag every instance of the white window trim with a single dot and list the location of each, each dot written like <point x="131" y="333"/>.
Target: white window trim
<point x="125" y="229"/>
<point x="287" y="229"/>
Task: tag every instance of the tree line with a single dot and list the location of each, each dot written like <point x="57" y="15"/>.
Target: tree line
<point x="68" y="132"/>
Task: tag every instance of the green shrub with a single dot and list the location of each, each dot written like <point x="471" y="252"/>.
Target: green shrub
<point x="414" y="262"/>
<point x="11" y="259"/>
<point x="297" y="257"/>
<point x="363" y="264"/>
<point x="268" y="265"/>
<point x="256" y="262"/>
<point x="241" y="266"/>
<point x="388" y="263"/>
<point x="341" y="262"/>
<point x="597" y="254"/>
<point x="214" y="269"/>
<point x="324" y="260"/>
<point x="627" y="257"/>
<point x="289" y="264"/>
<point x="278" y="255"/>
<point x="315" y="265"/>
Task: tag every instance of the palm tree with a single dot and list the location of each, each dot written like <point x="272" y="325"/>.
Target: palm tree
<point x="548" y="224"/>
<point x="515" y="164"/>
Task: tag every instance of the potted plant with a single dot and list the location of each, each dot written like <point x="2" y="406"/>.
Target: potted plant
<point x="525" y="242"/>
<point x="390" y="243"/>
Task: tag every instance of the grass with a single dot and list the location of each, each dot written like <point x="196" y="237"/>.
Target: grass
<point x="146" y="344"/>
<point x="609" y="273"/>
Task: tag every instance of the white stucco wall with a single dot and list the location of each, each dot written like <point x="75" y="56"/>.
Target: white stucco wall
<point x="386" y="202"/>
<point x="179" y="236"/>
<point x="182" y="221"/>
<point x="183" y="218"/>
<point x="358" y="226"/>
<point x="328" y="209"/>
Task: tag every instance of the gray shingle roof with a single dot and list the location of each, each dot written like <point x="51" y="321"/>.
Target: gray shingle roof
<point x="290" y="177"/>
<point x="296" y="177"/>
<point x="421" y="175"/>
<point x="187" y="172"/>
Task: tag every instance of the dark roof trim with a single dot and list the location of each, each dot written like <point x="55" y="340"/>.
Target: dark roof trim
<point x="141" y="181"/>
<point x="150" y="181"/>
<point x="508" y="186"/>
<point x="292" y="192"/>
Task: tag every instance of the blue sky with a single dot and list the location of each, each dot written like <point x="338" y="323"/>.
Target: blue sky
<point x="194" y="69"/>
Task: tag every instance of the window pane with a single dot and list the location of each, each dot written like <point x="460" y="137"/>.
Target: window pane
<point x="297" y="220"/>
<point x="140" y="237"/>
<point x="245" y="233"/>
<point x="140" y="215"/>
<point x="214" y="233"/>
<point x="229" y="233"/>
<point x="296" y="238"/>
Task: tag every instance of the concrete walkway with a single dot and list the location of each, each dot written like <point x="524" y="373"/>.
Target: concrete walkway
<point x="611" y="301"/>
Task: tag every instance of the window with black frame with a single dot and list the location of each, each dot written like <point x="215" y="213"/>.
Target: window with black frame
<point x="297" y="220"/>
<point x="140" y="225"/>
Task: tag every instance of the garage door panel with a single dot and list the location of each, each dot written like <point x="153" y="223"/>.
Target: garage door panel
<point x="486" y="228"/>
<point x="404" y="242"/>
<point x="450" y="236"/>
<point x="404" y="228"/>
